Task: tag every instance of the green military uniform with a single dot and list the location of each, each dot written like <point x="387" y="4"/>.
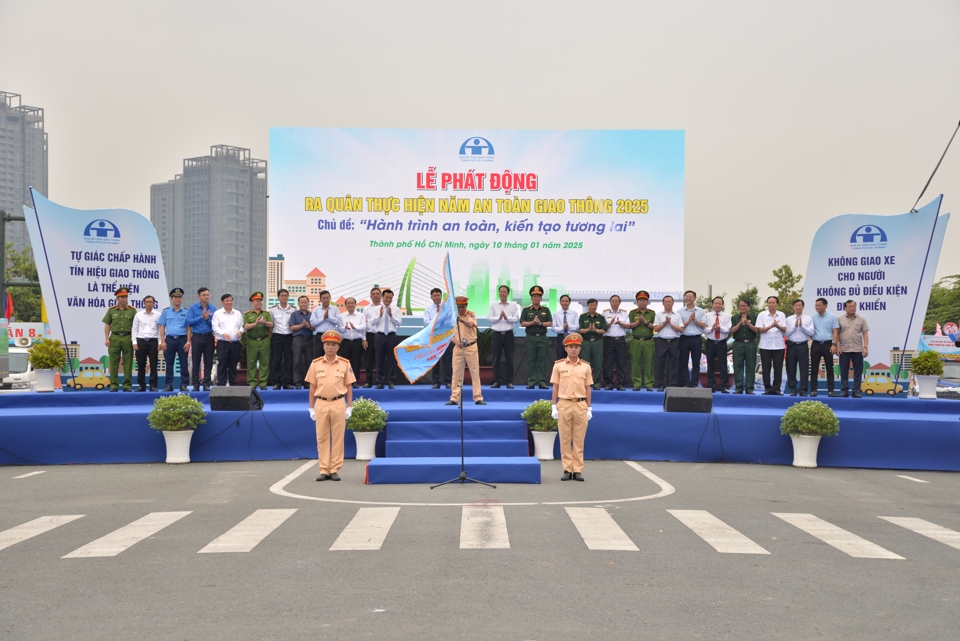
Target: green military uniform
<point x="744" y="353"/>
<point x="536" y="343"/>
<point x="592" y="349"/>
<point x="258" y="347"/>
<point x="121" y="343"/>
<point x="642" y="350"/>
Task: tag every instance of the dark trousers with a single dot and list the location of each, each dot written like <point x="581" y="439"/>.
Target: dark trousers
<point x="147" y="348"/>
<point x="503" y="344"/>
<point x="561" y="350"/>
<point x="228" y="357"/>
<point x="302" y="356"/>
<point x="202" y="346"/>
<point x="281" y="359"/>
<point x="846" y="359"/>
<point x="772" y="357"/>
<point x="173" y="354"/>
<point x="690" y="349"/>
<point x="371" y="356"/>
<point x="717" y="362"/>
<point x="798" y="355"/>
<point x="352" y="350"/>
<point x="447" y="362"/>
<point x="666" y="370"/>
<point x="818" y="350"/>
<point x="386" y="361"/>
<point x="615" y="355"/>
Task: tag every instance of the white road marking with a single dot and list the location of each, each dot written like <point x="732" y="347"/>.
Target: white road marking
<point x="32" y="528"/>
<point x="367" y="530"/>
<point x="910" y="478"/>
<point x="721" y="536"/>
<point x="483" y="528"/>
<point x="846" y="542"/>
<point x="927" y="529"/>
<point x="23" y="476"/>
<point x="598" y="529"/>
<point x="246" y="534"/>
<point x="119" y="540"/>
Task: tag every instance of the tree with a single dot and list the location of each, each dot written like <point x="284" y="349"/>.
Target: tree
<point x="26" y="300"/>
<point x="944" y="306"/>
<point x="750" y="294"/>
<point x="784" y="283"/>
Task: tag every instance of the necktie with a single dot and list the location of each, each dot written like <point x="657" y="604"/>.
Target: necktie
<point x="564" y="321"/>
<point x="716" y="325"/>
<point x="438" y="309"/>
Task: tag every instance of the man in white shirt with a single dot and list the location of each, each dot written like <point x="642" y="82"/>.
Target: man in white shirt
<point x="446" y="361"/>
<point x="146" y="342"/>
<point x="615" y="344"/>
<point x="716" y="333"/>
<point x="565" y="322"/>
<point x="386" y="327"/>
<point x="772" y="325"/>
<point x="354" y="335"/>
<point x="668" y="326"/>
<point x="227" y="326"/>
<point x="503" y="316"/>
<point x="799" y="331"/>
<point x="324" y="318"/>
<point x="691" y="341"/>
<point x="281" y="343"/>
<point x="371" y="314"/>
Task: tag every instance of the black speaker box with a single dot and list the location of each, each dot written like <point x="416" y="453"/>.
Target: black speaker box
<point x="687" y="399"/>
<point x="235" y="399"/>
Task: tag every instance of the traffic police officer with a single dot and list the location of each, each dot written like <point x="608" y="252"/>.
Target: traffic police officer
<point x="571" y="380"/>
<point x="465" y="354"/>
<point x="641" y="345"/>
<point x="256" y="330"/>
<point x="331" y="380"/>
<point x="592" y="328"/>
<point x="744" y="334"/>
<point x="536" y="319"/>
<point x="173" y="339"/>
<point x="117" y="330"/>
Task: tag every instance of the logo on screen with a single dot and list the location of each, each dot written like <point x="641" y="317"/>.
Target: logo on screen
<point x="102" y="231"/>
<point x="476" y="149"/>
<point x="868" y="237"/>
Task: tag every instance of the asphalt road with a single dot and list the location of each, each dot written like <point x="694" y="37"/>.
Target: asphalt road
<point x="528" y="570"/>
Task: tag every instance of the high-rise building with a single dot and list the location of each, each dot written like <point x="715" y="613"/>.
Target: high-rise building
<point x="23" y="161"/>
<point x="212" y="225"/>
<point x="274" y="279"/>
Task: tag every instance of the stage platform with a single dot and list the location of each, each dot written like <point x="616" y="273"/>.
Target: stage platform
<point x="102" y="427"/>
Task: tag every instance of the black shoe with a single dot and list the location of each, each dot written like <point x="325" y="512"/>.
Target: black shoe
<point x="543" y="387"/>
<point x="355" y="386"/>
<point x="738" y="391"/>
<point x="448" y="386"/>
<point x="452" y="403"/>
<point x="334" y="476"/>
<point x="128" y="389"/>
<point x="299" y="386"/>
<point x="793" y="393"/>
<point x="750" y="391"/>
<point x="114" y="389"/>
<point x="577" y="476"/>
<point x="833" y="395"/>
<point x="857" y="395"/>
<point x="531" y="386"/>
<point x="619" y="388"/>
<point x="169" y="388"/>
<point x="636" y="389"/>
<point x="813" y="393"/>
<point x="566" y="476"/>
<point x="843" y="395"/>
<point x="141" y="389"/>
<point x="276" y="387"/>
<point x="609" y="388"/>
<point x="435" y="386"/>
<point x="291" y="386"/>
<point x="263" y="388"/>
<point x="494" y="385"/>
<point x="481" y="402"/>
<point x="803" y="393"/>
<point x="206" y="388"/>
<point x="661" y="389"/>
<point x="724" y="391"/>
<point x="365" y="386"/>
<point x="153" y="388"/>
<point x="323" y="477"/>
<point x="389" y="385"/>
<point x="509" y="385"/>
<point x="379" y="385"/>
<point x="183" y="388"/>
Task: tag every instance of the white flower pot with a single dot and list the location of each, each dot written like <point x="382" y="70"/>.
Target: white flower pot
<point x="543" y="444"/>
<point x="366" y="445"/>
<point x="45" y="378"/>
<point x="927" y="386"/>
<point x="178" y="445"/>
<point x="805" y="450"/>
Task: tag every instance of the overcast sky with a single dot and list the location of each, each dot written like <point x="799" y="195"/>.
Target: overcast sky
<point x="794" y="112"/>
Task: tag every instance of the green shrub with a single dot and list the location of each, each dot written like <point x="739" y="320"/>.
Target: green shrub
<point x="47" y="353"/>
<point x="367" y="416"/>
<point x="537" y="416"/>
<point x="176" y="412"/>
<point x="927" y="364"/>
<point x="810" y="418"/>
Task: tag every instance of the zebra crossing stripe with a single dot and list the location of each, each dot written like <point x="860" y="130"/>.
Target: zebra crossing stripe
<point x="367" y="530"/>
<point x="483" y="528"/>
<point x="846" y="542"/>
<point x="245" y="535"/>
<point x="33" y="528"/>
<point x="718" y="534"/>
<point x="119" y="540"/>
<point x="598" y="529"/>
<point x="927" y="529"/>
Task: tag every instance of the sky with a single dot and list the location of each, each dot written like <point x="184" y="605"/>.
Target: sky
<point x="793" y="112"/>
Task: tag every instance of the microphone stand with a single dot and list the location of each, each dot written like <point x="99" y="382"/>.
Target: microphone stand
<point x="463" y="478"/>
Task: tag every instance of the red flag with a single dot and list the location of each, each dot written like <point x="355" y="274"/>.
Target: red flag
<point x="8" y="311"/>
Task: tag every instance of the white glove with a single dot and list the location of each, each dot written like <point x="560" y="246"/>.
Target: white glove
<point x="348" y="413"/>
<point x="589" y="413"/>
<point x="554" y="414"/>
<point x="313" y="415"/>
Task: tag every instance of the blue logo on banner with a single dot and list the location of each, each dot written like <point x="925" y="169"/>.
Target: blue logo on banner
<point x="102" y="231"/>
<point x="868" y="237"/>
<point x="476" y="146"/>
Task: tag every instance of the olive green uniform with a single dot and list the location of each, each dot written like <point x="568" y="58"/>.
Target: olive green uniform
<point x="536" y="343"/>
<point x="744" y="353"/>
<point x="592" y="349"/>
<point x="642" y="350"/>
<point x="121" y="345"/>
<point x="258" y="348"/>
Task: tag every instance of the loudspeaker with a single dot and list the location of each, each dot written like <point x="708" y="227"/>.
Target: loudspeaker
<point x="235" y="399"/>
<point x="687" y="399"/>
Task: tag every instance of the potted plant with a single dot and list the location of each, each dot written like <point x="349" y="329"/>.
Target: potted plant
<point x="543" y="428"/>
<point x="177" y="416"/>
<point x="367" y="421"/>
<point x="46" y="356"/>
<point x="928" y="368"/>
<point x="806" y="423"/>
